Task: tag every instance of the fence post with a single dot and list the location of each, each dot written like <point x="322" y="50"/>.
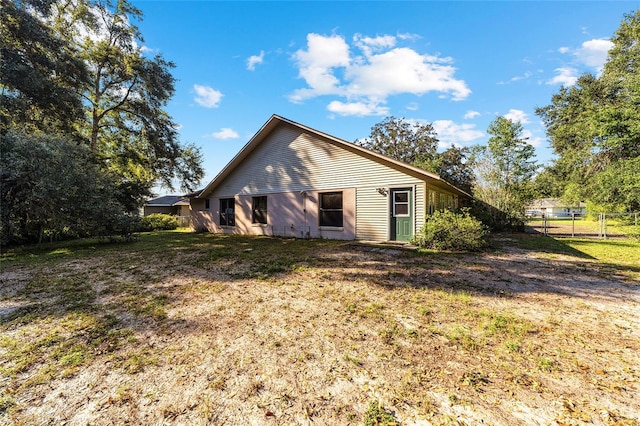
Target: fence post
<point x="599" y="225"/>
<point x="604" y="225"/>
<point x="573" y="225"/>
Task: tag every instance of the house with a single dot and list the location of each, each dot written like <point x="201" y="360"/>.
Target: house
<point x="554" y="207"/>
<point x="177" y="205"/>
<point x="292" y="180"/>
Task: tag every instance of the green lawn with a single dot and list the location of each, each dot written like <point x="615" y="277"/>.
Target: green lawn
<point x="183" y="328"/>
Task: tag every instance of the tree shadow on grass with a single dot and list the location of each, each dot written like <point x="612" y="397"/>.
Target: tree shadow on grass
<point x="536" y="242"/>
<point x="517" y="265"/>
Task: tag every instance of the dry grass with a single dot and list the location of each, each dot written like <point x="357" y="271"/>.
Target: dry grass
<point x="197" y="329"/>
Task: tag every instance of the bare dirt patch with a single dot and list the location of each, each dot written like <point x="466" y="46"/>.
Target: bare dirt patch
<point x="217" y="330"/>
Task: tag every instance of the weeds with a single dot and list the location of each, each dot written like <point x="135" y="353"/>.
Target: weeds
<point x="6" y="402"/>
<point x="377" y="415"/>
<point x="311" y="330"/>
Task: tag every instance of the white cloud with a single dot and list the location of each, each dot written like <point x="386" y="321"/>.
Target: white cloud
<point x="413" y="106"/>
<point x="533" y="140"/>
<point x="409" y="36"/>
<point x="359" y="109"/>
<point x="517" y="115"/>
<point x="567" y="76"/>
<point x="594" y="53"/>
<point x="316" y="65"/>
<point x="403" y="70"/>
<point x="225" y="133"/>
<point x="255" y="60"/>
<point x="450" y="133"/>
<point x="329" y="67"/>
<point x="564" y="50"/>
<point x="524" y="76"/>
<point x="206" y="96"/>
<point x="471" y="114"/>
<point x="368" y="45"/>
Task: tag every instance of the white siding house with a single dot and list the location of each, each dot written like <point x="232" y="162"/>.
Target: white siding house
<point x="554" y="207"/>
<point x="292" y="180"/>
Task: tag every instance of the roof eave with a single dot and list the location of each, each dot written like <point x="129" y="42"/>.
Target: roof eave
<point x="273" y="122"/>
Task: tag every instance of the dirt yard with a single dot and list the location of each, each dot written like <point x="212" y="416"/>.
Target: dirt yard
<point x="190" y="329"/>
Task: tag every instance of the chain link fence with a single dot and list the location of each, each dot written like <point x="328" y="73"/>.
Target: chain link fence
<point x="591" y="225"/>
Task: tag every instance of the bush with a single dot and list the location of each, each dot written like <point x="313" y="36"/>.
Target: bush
<point x="448" y="230"/>
<point x="496" y="219"/>
<point x="52" y="189"/>
<point x="159" y="222"/>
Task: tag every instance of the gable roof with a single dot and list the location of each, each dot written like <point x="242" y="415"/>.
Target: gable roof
<point x="276" y="120"/>
<point x="168" y="201"/>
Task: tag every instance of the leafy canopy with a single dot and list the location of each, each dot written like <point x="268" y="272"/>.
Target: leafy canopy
<point x="594" y="129"/>
<point x="504" y="171"/>
<point x="82" y="114"/>
<point x="417" y="144"/>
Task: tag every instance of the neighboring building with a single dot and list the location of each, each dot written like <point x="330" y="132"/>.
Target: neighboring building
<point x="176" y="205"/>
<point x="554" y="207"/>
<point x="291" y="180"/>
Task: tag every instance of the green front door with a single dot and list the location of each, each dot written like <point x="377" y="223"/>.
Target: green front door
<point x="401" y="214"/>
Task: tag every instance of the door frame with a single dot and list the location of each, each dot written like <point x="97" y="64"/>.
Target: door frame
<point x="411" y="199"/>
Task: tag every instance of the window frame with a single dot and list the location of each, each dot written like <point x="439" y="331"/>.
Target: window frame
<point x="401" y="203"/>
<point x="258" y="213"/>
<point x="225" y="208"/>
<point x="323" y="212"/>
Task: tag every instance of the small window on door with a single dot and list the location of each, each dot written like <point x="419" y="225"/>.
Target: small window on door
<point x="259" y="210"/>
<point x="227" y="212"/>
<point x="331" y="209"/>
<point x="400" y="203"/>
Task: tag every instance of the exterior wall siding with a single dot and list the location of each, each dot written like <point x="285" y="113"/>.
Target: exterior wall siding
<point x="289" y="214"/>
<point x="420" y="206"/>
<point x="290" y="162"/>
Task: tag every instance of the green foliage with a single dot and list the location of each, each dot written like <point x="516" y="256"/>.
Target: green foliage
<point x="377" y="415"/>
<point x="505" y="168"/>
<point x="617" y="187"/>
<point x="125" y="96"/>
<point x="547" y="184"/>
<point x="456" y="167"/>
<point x="39" y="72"/>
<point x="411" y="143"/>
<point x="447" y="230"/>
<point x="6" y="401"/>
<point x="417" y="144"/>
<point x="94" y="137"/>
<point x="594" y="128"/>
<point x="51" y="189"/>
<point x="159" y="222"/>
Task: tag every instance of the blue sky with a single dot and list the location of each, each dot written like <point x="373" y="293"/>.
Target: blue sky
<point x="341" y="67"/>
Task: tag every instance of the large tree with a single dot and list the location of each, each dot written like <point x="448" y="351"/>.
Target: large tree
<point x="594" y="128"/>
<point x="505" y="168"/>
<point x="51" y="188"/>
<point x="412" y="143"/>
<point x="417" y="144"/>
<point x="81" y="115"/>
<point x="40" y="73"/>
<point x="125" y="97"/>
<point x="455" y="165"/>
